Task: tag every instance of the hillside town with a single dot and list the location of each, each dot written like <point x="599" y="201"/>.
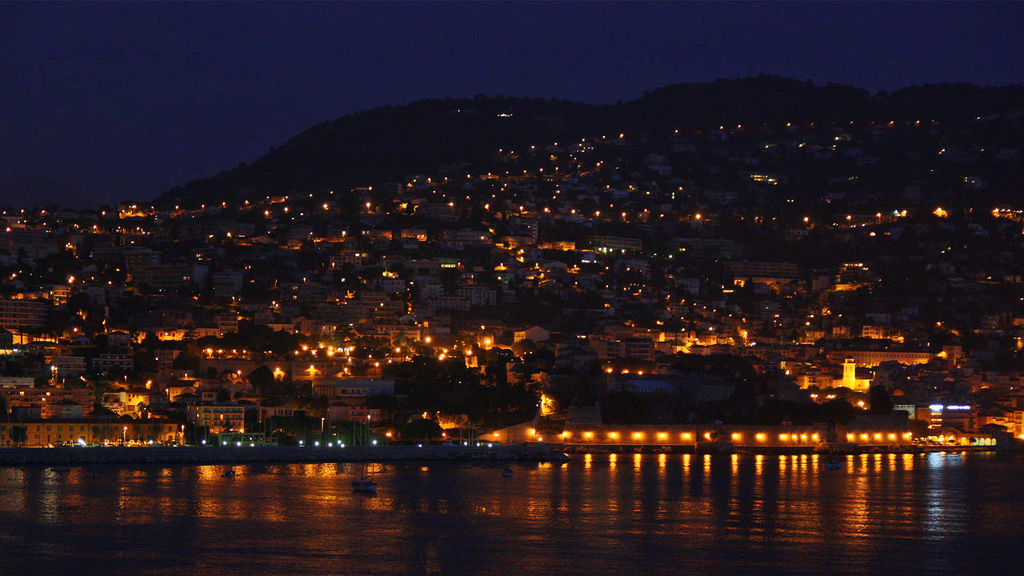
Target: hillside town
<point x="855" y="283"/>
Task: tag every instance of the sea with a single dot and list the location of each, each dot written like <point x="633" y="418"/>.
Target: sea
<point x="625" y="514"/>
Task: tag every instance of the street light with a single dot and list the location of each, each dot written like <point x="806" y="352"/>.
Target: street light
<point x="124" y="435"/>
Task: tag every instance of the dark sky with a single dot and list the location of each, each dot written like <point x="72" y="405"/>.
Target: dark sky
<point x="125" y="100"/>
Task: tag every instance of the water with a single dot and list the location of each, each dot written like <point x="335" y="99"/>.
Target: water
<point x="600" y="514"/>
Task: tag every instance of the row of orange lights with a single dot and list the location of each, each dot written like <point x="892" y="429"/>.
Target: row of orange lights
<point x="760" y="436"/>
<point x="877" y="436"/>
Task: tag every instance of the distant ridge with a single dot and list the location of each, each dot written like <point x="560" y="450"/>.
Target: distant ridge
<point x="30" y="190"/>
<point x="390" y="142"/>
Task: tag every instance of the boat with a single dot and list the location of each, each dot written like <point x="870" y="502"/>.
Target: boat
<point x="364" y="484"/>
<point x="833" y="465"/>
<point x="229" y="474"/>
<point x="507" y="472"/>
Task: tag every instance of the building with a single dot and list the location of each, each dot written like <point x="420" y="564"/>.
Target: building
<point x="764" y="272"/>
<point x="342" y="412"/>
<point x="218" y="417"/>
<point x="605" y="244"/>
<point x="353" y="388"/>
<point x="963" y="417"/>
<point x="107" y="362"/>
<point x="22" y="313"/>
<point x="92" y="431"/>
<point x="872" y="358"/>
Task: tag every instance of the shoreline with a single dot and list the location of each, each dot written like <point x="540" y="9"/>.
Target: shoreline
<point x="72" y="456"/>
<point x="298" y="455"/>
<point x="847" y="450"/>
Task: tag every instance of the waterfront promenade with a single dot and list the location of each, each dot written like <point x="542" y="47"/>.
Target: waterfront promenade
<point x="72" y="456"/>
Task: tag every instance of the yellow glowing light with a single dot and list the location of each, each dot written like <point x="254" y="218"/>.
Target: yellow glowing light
<point x="783" y="436"/>
<point x="588" y="435"/>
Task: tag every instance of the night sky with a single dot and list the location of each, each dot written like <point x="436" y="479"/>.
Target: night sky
<point x="127" y="100"/>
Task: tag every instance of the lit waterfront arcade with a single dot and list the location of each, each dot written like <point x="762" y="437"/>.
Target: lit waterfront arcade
<point x="782" y="437"/>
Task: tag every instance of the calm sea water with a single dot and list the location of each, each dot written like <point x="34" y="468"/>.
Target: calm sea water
<point x="600" y="514"/>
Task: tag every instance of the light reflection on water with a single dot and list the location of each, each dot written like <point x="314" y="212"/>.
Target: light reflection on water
<point x="599" y="514"/>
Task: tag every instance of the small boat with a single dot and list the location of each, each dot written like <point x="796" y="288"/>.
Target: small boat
<point x="229" y="474"/>
<point x="364" y="485"/>
<point x="507" y="472"/>
<point x="833" y="465"/>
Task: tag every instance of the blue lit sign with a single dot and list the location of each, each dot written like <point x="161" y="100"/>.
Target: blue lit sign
<point x="936" y="407"/>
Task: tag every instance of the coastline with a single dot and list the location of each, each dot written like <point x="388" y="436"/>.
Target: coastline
<point x="841" y="450"/>
<point x="273" y="454"/>
<point x="73" y="456"/>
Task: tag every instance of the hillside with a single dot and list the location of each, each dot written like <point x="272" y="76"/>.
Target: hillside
<point x="389" y="143"/>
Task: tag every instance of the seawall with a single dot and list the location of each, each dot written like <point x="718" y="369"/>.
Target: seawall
<point x="74" y="456"/>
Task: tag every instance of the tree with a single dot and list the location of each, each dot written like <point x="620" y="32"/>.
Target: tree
<point x="881" y="403"/>
<point x="18" y="434"/>
<point x="186" y="361"/>
<point x="838" y="411"/>
<point x="262" y="379"/>
<point x="421" y="428"/>
<point x="145" y="361"/>
<point x="919" y="428"/>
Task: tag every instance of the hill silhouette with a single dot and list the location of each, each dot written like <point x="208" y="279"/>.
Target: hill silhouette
<point x="29" y="190"/>
<point x="391" y="142"/>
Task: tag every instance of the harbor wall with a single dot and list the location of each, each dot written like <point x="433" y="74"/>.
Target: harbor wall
<point x="72" y="456"/>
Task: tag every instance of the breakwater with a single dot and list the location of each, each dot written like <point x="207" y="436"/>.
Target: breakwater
<point x="242" y="455"/>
